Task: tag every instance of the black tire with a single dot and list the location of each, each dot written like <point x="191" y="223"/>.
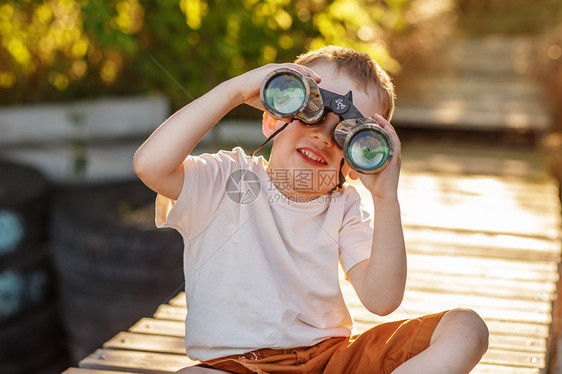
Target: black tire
<point x="33" y="341"/>
<point x="24" y="205"/>
<point x="111" y="274"/>
<point x="25" y="273"/>
<point x="25" y="284"/>
<point x="31" y="337"/>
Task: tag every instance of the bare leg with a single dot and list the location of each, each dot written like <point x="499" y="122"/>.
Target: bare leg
<point x="457" y="345"/>
<point x="199" y="370"/>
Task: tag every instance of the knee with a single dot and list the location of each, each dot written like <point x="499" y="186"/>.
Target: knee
<point x="470" y="326"/>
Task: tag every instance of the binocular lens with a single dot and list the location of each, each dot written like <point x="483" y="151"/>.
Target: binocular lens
<point x="285" y="93"/>
<point x="368" y="150"/>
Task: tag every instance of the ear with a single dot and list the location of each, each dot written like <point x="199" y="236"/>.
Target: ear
<point x="269" y="124"/>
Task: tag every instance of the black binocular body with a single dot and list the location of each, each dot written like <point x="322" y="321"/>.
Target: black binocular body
<point x="287" y="94"/>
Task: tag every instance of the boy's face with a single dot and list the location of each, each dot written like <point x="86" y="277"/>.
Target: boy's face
<point x="306" y="156"/>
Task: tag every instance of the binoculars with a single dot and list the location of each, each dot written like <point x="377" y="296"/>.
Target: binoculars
<point x="287" y="94"/>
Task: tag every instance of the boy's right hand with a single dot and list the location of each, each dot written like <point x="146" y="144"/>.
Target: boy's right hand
<point x="248" y="84"/>
<point x="159" y="161"/>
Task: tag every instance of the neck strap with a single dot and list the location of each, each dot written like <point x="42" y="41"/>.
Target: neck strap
<point x="270" y="137"/>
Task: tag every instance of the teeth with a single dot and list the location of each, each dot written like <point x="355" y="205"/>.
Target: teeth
<point x="311" y="155"/>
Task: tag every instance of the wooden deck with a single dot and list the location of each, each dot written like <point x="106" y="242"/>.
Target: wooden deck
<point x="481" y="220"/>
<point x="482" y="226"/>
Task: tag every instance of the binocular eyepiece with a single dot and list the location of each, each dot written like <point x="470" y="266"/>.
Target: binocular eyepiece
<point x="287" y="94"/>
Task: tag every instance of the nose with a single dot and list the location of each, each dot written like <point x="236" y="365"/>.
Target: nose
<point x="323" y="132"/>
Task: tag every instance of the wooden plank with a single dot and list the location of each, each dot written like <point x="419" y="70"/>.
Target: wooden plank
<point x="526" y="329"/>
<point x="171" y="312"/>
<point x="538" y="193"/>
<point x="480" y="244"/>
<point x="518" y="343"/>
<point x="140" y="362"/>
<point x="495" y="252"/>
<point x="147" y="343"/>
<point x="484" y="267"/>
<point x="507" y="306"/>
<point x="96" y="371"/>
<point x="484" y="368"/>
<point x="179" y="299"/>
<point x="456" y="189"/>
<point x="497" y="288"/>
<point x="159" y="327"/>
<point x="488" y="314"/>
<point x="514" y="358"/>
<point x="468" y="215"/>
<point x="478" y="185"/>
<point x="491" y="213"/>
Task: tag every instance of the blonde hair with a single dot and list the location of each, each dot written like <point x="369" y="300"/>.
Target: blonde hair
<point x="361" y="68"/>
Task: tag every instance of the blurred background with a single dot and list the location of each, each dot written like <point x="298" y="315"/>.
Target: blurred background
<point x="83" y="83"/>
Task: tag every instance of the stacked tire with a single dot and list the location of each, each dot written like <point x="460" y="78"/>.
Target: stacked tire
<point x="112" y="269"/>
<point x="31" y="337"/>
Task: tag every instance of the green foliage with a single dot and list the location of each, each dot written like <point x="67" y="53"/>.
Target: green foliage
<point x="69" y="49"/>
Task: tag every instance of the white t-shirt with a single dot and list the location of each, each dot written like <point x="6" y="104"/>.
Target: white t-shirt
<point x="261" y="271"/>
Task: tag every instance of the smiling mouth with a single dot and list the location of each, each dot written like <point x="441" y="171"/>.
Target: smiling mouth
<point x="311" y="155"/>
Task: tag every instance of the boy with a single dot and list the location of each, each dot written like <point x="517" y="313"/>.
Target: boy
<point x="262" y="273"/>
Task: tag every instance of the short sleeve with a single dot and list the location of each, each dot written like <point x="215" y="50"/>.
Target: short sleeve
<point x="356" y="233"/>
<point x="203" y="189"/>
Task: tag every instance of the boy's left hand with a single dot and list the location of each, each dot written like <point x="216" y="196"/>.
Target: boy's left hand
<point x="384" y="185"/>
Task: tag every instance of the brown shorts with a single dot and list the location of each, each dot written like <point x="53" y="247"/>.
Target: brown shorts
<point x="380" y="349"/>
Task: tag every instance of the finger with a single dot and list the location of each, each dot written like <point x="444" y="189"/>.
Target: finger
<point x="383" y="122"/>
<point x="387" y="126"/>
<point x="305" y="70"/>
